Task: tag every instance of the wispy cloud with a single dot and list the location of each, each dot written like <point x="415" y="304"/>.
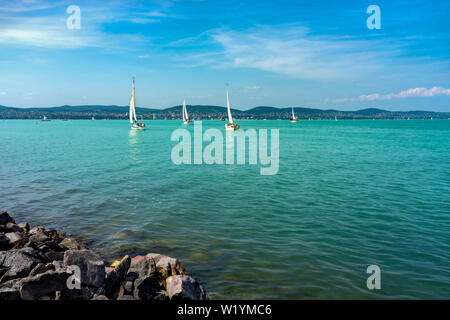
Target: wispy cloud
<point x="292" y="50"/>
<point x="3" y="93"/>
<point x="410" y="93"/>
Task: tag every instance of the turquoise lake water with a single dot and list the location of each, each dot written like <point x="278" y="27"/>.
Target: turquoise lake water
<point x="348" y="194"/>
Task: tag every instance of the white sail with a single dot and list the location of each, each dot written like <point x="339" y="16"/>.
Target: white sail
<point x="230" y="118"/>
<point x="132" y="106"/>
<point x="293" y="115"/>
<point x="185" y="113"/>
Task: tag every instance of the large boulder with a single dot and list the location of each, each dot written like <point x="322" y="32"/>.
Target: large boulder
<point x="181" y="287"/>
<point x="115" y="277"/>
<point x="5" y="218"/>
<point x="9" y="294"/>
<point x="146" y="287"/>
<point x="166" y="266"/>
<point x="14" y="236"/>
<point x="19" y="261"/>
<point x="70" y="244"/>
<point x="4" y="242"/>
<point x="33" y="288"/>
<point x="91" y="266"/>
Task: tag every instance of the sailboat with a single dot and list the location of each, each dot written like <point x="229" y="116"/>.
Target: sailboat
<point x="186" y="119"/>
<point x="45" y="119"/>
<point x="135" y="125"/>
<point x="293" y="118"/>
<point x="230" y="125"/>
<point x="335" y="118"/>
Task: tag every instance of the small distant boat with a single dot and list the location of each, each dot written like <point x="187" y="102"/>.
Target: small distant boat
<point x="93" y="119"/>
<point x="293" y="118"/>
<point x="335" y="118"/>
<point x="135" y="125"/>
<point x="186" y="119"/>
<point x="45" y="119"/>
<point x="65" y="119"/>
<point x="431" y="118"/>
<point x="230" y="125"/>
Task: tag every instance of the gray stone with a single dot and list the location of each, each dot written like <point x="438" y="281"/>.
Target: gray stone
<point x="4" y="242"/>
<point x="36" y="229"/>
<point x="85" y="293"/>
<point x="116" y="276"/>
<point x="181" y="287"/>
<point x="41" y="268"/>
<point x="126" y="297"/>
<point x="70" y="244"/>
<point x="25" y="226"/>
<point x="14" y="236"/>
<point x="146" y="287"/>
<point x="12" y="227"/>
<point x="5" y="218"/>
<point x="100" y="297"/>
<point x="39" y="238"/>
<point x="32" y="288"/>
<point x="142" y="266"/>
<point x="19" y="261"/>
<point x="91" y="266"/>
<point x="166" y="266"/>
<point x="8" y="294"/>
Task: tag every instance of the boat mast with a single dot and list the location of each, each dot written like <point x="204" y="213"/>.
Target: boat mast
<point x="230" y="118"/>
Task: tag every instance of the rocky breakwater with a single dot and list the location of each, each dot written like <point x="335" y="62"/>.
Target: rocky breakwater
<point x="40" y="264"/>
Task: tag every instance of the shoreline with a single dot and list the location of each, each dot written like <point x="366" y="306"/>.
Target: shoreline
<point x="42" y="264"/>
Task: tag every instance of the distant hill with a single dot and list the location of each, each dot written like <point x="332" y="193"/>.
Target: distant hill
<point x="206" y="112"/>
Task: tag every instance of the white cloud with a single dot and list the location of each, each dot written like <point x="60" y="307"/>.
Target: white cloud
<point x="410" y="93"/>
<point x="3" y="93"/>
<point x="144" y="56"/>
<point x="292" y="50"/>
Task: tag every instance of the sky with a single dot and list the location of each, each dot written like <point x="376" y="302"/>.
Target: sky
<point x="318" y="54"/>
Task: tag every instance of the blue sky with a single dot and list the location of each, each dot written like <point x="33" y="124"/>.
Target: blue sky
<point x="280" y="53"/>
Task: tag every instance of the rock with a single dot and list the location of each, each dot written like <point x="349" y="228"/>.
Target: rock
<point x="4" y="242"/>
<point x="126" y="297"/>
<point x="41" y="268"/>
<point x="91" y="266"/>
<point x="12" y="227"/>
<point x="70" y="244"/>
<point x="5" y="218"/>
<point x="161" y="296"/>
<point x="142" y="266"/>
<point x="85" y="293"/>
<point x="101" y="297"/>
<point x="8" y="294"/>
<point x="53" y="234"/>
<point x="39" y="238"/>
<point x="36" y="229"/>
<point x="127" y="287"/>
<point x="25" y="226"/>
<point x="32" y="288"/>
<point x="146" y="287"/>
<point x="19" y="261"/>
<point x="58" y="265"/>
<point x="14" y="236"/>
<point x="53" y="255"/>
<point x="166" y="266"/>
<point x="181" y="287"/>
<point x="116" y="276"/>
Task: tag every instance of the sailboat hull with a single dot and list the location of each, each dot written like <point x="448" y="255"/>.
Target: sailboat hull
<point x="231" y="127"/>
<point x="187" y="122"/>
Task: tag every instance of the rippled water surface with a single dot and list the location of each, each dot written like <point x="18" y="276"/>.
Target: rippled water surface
<point x="348" y="194"/>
